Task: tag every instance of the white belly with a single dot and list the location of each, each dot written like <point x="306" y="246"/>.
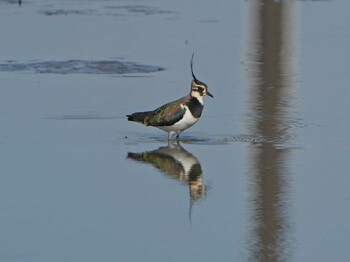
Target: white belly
<point x="187" y="121"/>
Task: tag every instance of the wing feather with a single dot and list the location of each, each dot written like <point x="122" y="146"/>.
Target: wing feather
<point x="167" y="114"/>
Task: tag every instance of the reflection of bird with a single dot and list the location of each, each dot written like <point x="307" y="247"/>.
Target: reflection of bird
<point x="176" y="116"/>
<point x="176" y="162"/>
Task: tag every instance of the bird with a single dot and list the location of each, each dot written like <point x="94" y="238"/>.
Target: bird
<point x="179" y="115"/>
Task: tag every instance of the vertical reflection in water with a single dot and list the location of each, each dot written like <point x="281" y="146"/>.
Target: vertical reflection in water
<point x="269" y="54"/>
<point x="176" y="162"/>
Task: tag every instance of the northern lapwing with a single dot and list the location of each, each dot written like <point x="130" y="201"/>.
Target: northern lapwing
<point x="176" y="116"/>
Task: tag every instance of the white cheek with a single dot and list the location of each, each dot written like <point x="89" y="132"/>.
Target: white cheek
<point x="198" y="96"/>
<point x="200" y="99"/>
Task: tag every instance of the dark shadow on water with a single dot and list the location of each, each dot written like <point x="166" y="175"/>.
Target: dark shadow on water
<point x="79" y="67"/>
<point x="177" y="163"/>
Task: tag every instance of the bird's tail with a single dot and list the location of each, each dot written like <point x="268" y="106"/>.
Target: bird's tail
<point x="139" y="116"/>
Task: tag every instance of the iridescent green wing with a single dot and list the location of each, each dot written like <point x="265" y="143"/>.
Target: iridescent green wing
<point x="167" y="114"/>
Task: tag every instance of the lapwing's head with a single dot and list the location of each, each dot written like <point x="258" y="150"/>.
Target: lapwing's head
<point x="198" y="88"/>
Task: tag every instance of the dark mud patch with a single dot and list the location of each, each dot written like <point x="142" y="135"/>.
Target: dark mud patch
<point x="67" y="12"/>
<point x="140" y="9"/>
<point x="79" y="67"/>
<point x="111" y="10"/>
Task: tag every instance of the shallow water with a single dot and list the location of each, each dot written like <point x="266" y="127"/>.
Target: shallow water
<point x="263" y="176"/>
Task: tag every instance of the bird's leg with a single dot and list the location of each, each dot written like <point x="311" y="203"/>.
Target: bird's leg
<point x="171" y="143"/>
<point x="177" y="137"/>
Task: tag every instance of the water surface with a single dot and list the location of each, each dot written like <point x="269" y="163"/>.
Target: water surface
<point x="263" y="176"/>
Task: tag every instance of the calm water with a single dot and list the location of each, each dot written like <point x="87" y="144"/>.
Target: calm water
<point x="263" y="176"/>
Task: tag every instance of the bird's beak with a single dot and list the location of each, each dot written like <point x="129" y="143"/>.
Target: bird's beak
<point x="210" y="95"/>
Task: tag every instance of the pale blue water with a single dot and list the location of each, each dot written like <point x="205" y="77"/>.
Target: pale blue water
<point x="263" y="176"/>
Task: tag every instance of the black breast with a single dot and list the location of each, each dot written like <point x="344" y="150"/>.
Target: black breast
<point x="195" y="107"/>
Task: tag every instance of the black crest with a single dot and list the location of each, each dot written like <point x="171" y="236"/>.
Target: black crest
<point x="194" y="77"/>
<point x="191" y="64"/>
